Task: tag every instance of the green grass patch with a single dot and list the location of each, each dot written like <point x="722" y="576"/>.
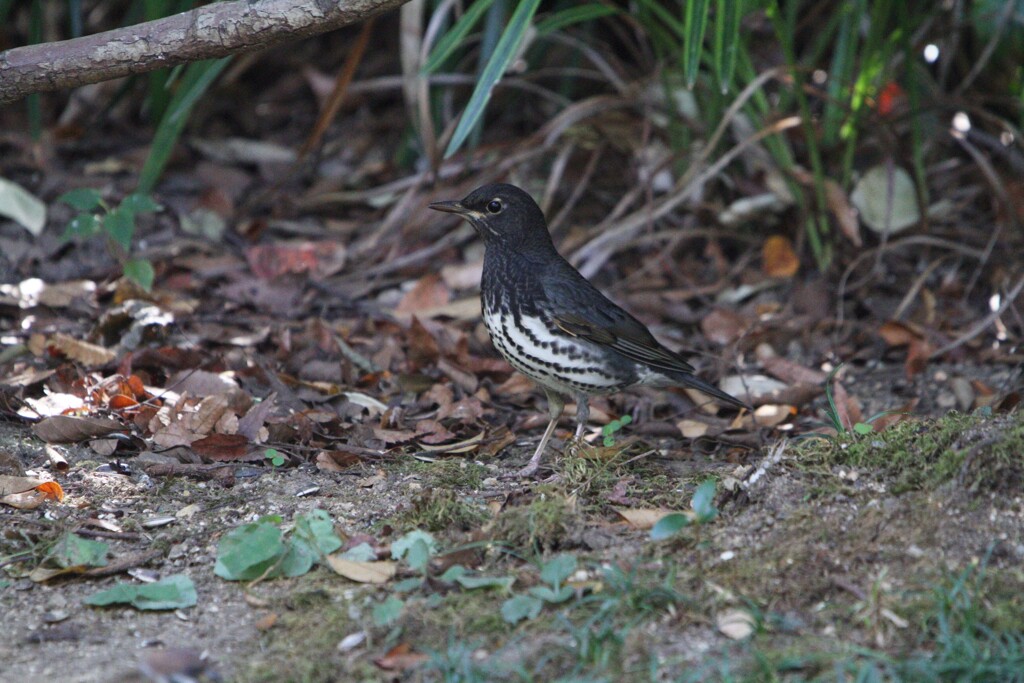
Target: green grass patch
<point x="978" y="452"/>
<point x="441" y="509"/>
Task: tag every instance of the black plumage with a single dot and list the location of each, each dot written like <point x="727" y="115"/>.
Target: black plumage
<point x="550" y="323"/>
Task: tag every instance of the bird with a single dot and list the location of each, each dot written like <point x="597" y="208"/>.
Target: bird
<point x="550" y="323"/>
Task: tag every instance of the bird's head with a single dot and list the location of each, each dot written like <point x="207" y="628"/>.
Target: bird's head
<point x="502" y="214"/>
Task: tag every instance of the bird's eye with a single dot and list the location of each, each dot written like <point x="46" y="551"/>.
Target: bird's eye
<point x="495" y="206"/>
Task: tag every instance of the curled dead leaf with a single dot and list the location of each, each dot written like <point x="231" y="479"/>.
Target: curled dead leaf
<point x="736" y="624"/>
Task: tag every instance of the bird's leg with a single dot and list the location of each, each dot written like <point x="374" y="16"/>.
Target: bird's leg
<point x="555" y="406"/>
<point x="582" y="414"/>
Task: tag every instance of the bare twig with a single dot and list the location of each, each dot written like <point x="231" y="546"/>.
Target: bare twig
<point x="983" y="324"/>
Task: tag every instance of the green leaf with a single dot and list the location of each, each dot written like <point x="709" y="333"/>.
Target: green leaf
<point x="312" y="538"/>
<point x="455" y="35"/>
<point x="558" y="569"/>
<point x="82" y="199"/>
<point x="74" y="551"/>
<point x="552" y="596"/>
<point x="138" y="202"/>
<point x="22" y="207"/>
<point x="173" y="592"/>
<point x="408" y="585"/>
<point x="521" y="607"/>
<point x="140" y="271"/>
<point x="669" y="525"/>
<point x="462" y="576"/>
<point x="416" y="547"/>
<point x="247" y="552"/>
<point x="316" y="530"/>
<point x="120" y="226"/>
<point x="508" y="46"/>
<point x="863" y="428"/>
<point x="387" y="612"/>
<point x="573" y="15"/>
<point x="198" y="76"/>
<point x="361" y="553"/>
<point x="703" y="501"/>
<point x="82" y="225"/>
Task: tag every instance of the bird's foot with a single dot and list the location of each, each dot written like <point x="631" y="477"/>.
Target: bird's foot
<point x="525" y="473"/>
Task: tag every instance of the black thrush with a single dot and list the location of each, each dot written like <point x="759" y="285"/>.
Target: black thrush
<point x="550" y="323"/>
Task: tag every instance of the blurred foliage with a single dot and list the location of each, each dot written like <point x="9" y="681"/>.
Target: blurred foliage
<point x="869" y="81"/>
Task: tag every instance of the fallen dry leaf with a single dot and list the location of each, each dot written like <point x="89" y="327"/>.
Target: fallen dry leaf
<point x="89" y="355"/>
<point x="336" y="461"/>
<point x="898" y="334"/>
<point x="363" y="572"/>
<point x="66" y="429"/>
<point x="693" y="429"/>
<point x="736" y="624"/>
<point x="723" y="326"/>
<point x="429" y="292"/>
<point x="222" y="447"/>
<point x="400" y="658"/>
<point x="643" y="518"/>
<point x="778" y="257"/>
<point x="274" y="260"/>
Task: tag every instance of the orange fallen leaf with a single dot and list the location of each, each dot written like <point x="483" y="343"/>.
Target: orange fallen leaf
<point x="778" y="257"/>
<point x="400" y="658"/>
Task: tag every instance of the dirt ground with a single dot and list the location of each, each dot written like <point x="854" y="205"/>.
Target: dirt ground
<point x="825" y="554"/>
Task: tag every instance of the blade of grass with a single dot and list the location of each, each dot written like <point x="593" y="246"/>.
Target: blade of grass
<point x="32" y="102"/>
<point x="695" y="23"/>
<point x="158" y="97"/>
<point x="494" y="23"/>
<point x="508" y="46"/>
<point x="197" y="77"/>
<point x="816" y="225"/>
<point x="456" y="36"/>
<point x="573" y="15"/>
<point x="727" y="40"/>
<point x="74" y="17"/>
<point x="665" y="16"/>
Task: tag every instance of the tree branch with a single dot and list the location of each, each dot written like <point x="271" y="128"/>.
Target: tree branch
<point x="213" y="30"/>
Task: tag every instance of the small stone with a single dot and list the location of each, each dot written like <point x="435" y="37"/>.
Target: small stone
<point x="946" y="400"/>
<point x="964" y="393"/>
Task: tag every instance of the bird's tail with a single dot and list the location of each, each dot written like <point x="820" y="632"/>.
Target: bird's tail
<point x="688" y="380"/>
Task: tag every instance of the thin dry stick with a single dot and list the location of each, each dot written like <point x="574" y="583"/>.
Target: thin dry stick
<point x="599" y="250"/>
<point x="1001" y="23"/>
<point x="593" y="255"/>
<point x="555" y="176"/>
<point x="1004" y="196"/>
<point x="578" y="188"/>
<point x="983" y="324"/>
<point x="348" y="70"/>
<point x="911" y="241"/>
<point x="916" y="287"/>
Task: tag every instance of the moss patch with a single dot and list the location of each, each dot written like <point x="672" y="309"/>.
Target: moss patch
<point x="978" y="453"/>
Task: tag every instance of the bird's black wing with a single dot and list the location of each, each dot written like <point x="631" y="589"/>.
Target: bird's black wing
<point x="580" y="310"/>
